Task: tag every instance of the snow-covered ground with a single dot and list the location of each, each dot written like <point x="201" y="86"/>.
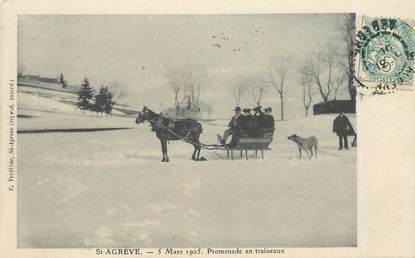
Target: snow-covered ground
<point x="33" y="99"/>
<point x="109" y="188"/>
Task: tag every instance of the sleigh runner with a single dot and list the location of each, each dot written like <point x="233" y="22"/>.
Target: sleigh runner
<point x="246" y="142"/>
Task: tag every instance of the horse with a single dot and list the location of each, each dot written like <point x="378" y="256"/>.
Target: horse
<point x="167" y="129"/>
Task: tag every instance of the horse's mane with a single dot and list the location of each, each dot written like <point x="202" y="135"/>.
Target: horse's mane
<point x="152" y="112"/>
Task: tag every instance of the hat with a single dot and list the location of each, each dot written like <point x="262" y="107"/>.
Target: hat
<point x="257" y="108"/>
<point x="237" y="109"/>
<point x="268" y="109"/>
<point x="246" y="110"/>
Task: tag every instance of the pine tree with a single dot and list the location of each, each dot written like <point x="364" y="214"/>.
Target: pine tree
<point x="108" y="101"/>
<point x="100" y="100"/>
<point x="85" y="96"/>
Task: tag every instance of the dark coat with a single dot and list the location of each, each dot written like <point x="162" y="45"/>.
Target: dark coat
<point x="269" y="122"/>
<point x="260" y="119"/>
<point x="245" y="120"/>
<point x="342" y="126"/>
<point x="235" y="122"/>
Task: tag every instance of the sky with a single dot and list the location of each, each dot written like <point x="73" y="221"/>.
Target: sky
<point x="135" y="53"/>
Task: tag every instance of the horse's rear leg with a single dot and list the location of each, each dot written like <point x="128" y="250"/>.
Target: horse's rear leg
<point x="197" y="146"/>
<point x="198" y="152"/>
<point x="164" y="150"/>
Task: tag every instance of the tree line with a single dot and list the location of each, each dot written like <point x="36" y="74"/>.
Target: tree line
<point x="188" y="82"/>
<point x="324" y="70"/>
<point x="321" y="72"/>
<point x="102" y="102"/>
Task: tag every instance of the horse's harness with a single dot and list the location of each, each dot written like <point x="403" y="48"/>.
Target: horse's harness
<point x="158" y="121"/>
<point x="171" y="123"/>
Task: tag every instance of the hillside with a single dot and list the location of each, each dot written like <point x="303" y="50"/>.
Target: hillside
<point x="32" y="98"/>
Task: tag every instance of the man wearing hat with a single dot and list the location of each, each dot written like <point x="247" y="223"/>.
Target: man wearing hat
<point x="259" y="117"/>
<point x="269" y="122"/>
<point x="233" y="125"/>
<point x="341" y="126"/>
<point x="246" y="118"/>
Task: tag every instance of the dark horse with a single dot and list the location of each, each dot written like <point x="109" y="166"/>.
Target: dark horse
<point x="169" y="130"/>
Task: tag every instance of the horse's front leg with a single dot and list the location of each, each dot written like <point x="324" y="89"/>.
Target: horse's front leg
<point x="167" y="155"/>
<point x="164" y="151"/>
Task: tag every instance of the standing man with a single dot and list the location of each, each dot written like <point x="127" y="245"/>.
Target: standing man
<point x="342" y="126"/>
<point x="233" y="125"/>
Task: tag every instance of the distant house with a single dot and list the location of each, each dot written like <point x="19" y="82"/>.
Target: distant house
<point x="187" y="110"/>
<point x="47" y="83"/>
<point x="36" y="79"/>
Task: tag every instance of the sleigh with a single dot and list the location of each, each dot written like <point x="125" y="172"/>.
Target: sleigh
<point x="247" y="142"/>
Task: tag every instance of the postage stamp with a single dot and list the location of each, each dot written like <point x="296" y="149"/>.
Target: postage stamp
<point x="385" y="48"/>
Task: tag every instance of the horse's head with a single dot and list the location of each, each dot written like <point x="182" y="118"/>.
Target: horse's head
<point x="143" y="116"/>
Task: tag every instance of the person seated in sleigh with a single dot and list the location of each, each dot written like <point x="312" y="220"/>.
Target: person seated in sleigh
<point x="234" y="128"/>
<point x="246" y="123"/>
<point x="269" y="122"/>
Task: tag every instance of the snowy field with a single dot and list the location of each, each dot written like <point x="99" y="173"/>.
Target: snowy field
<point x="34" y="99"/>
<point x="109" y="188"/>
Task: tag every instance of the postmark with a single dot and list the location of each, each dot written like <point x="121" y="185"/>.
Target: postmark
<point x="385" y="48"/>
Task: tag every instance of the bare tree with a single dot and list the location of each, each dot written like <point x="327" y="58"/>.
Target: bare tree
<point x="191" y="88"/>
<point x="321" y="66"/>
<point x="338" y="82"/>
<point x="348" y="28"/>
<point x="187" y="82"/>
<point x="194" y="84"/>
<point x="197" y="89"/>
<point x="178" y="80"/>
<point x="306" y="82"/>
<point x="237" y="92"/>
<point x="117" y="90"/>
<point x="120" y="94"/>
<point x="258" y="88"/>
<point x="276" y="76"/>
